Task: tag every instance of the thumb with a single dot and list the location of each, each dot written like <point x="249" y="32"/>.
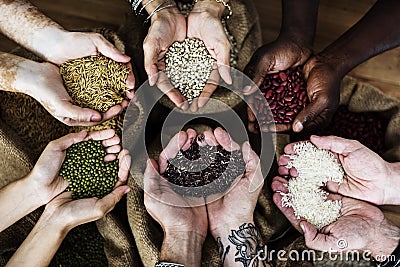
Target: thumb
<point x="336" y="144"/>
<point x="315" y="240"/>
<point x="74" y="114"/>
<point x="311" y="114"/>
<point x="107" y="49"/>
<point x="151" y="176"/>
<point x="109" y="201"/>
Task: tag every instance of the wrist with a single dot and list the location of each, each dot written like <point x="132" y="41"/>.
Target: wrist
<point x="151" y="5"/>
<point x="182" y="247"/>
<point x="51" y="43"/>
<point x="210" y="7"/>
<point x="391" y="196"/>
<point x="54" y="223"/>
<point x="383" y="246"/>
<point x="37" y="192"/>
<point x="224" y="229"/>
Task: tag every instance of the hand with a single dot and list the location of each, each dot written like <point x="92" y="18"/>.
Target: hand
<point x="185" y="226"/>
<point x="360" y="227"/>
<point x="367" y="176"/>
<point x="323" y="90"/>
<point x="45" y="175"/>
<point x="68" y="213"/>
<point x="167" y="27"/>
<point x="48" y="89"/>
<point x="73" y="45"/>
<point x="279" y="55"/>
<point x="204" y="23"/>
<point x="237" y="206"/>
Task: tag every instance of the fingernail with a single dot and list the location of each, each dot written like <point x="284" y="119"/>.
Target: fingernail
<point x="303" y="227"/>
<point x="127" y="190"/>
<point x="298" y="127"/>
<point x="246" y="88"/>
<point x="95" y="117"/>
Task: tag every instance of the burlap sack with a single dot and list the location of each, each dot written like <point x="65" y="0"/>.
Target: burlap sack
<point x="244" y="33"/>
<point x="26" y="130"/>
<point x="358" y="96"/>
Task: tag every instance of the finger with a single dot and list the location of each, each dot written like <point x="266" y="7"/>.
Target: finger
<point x="150" y="60"/>
<point x="279" y="128"/>
<point x="130" y="79"/>
<point x="113" y="149"/>
<point x="79" y="116"/>
<point x="191" y="136"/>
<point x="223" y="53"/>
<point x="313" y="111"/>
<point x="174" y="146"/>
<point x="209" y="138"/>
<point x="151" y="177"/>
<point x="107" y="203"/>
<point x="253" y="169"/>
<point x="110" y="157"/>
<point x="315" y="240"/>
<point x="115" y="140"/>
<point x="289" y="148"/>
<point x="124" y="166"/>
<point x="112" y="112"/>
<point x="282" y="170"/>
<point x="284" y="160"/>
<point x="224" y="139"/>
<point x="209" y="89"/>
<point x="68" y="140"/>
<point x="279" y="184"/>
<point x="101" y="135"/>
<point x="287" y="211"/>
<point x="108" y="50"/>
<point x="194" y="106"/>
<point x="336" y="144"/>
<point x="174" y="95"/>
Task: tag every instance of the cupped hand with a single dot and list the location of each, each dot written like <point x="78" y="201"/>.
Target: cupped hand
<point x="167" y="27"/>
<point x="173" y="212"/>
<point x="237" y="206"/>
<point x="367" y="176"/>
<point x="204" y="23"/>
<point x="73" y="45"/>
<point x="45" y="175"/>
<point x="361" y="226"/>
<point x="70" y="213"/>
<point x="279" y="55"/>
<point x="323" y="90"/>
<point x="49" y="90"/>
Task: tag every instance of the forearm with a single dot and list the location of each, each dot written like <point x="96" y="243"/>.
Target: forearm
<point x="183" y="248"/>
<point x="299" y="19"/>
<point x="16" y="73"/>
<point x="26" y="25"/>
<point x="41" y="244"/>
<point x="240" y="244"/>
<point x="17" y="200"/>
<point x="375" y="33"/>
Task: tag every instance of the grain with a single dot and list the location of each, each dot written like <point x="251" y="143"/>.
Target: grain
<point x="306" y="194"/>
<point x="95" y="82"/>
<point x="188" y="66"/>
<point x="192" y="170"/>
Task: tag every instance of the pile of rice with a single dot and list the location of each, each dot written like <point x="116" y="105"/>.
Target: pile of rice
<point x="306" y="194"/>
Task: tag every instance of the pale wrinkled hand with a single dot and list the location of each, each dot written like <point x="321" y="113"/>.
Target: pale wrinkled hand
<point x="361" y="226"/>
<point x="45" y="174"/>
<point x="205" y="24"/>
<point x="169" y="209"/>
<point x="279" y="55"/>
<point x="50" y="92"/>
<point x="237" y="206"/>
<point x="367" y="176"/>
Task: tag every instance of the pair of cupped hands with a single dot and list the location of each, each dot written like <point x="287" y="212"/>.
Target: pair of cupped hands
<point x="368" y="178"/>
<point x="321" y="73"/>
<point x="169" y="26"/>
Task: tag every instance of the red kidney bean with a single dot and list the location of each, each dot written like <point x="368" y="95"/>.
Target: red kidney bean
<point x="286" y="95"/>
